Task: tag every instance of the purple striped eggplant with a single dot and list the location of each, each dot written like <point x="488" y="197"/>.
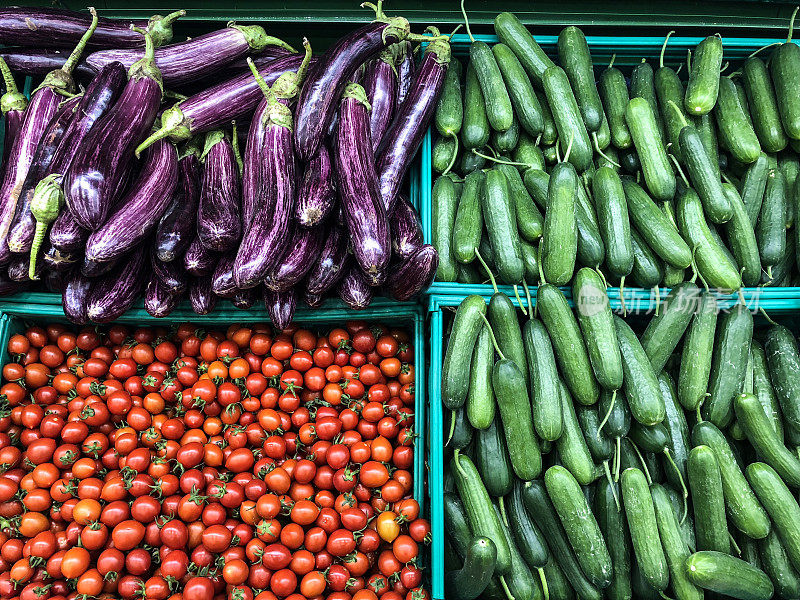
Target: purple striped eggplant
<point x="36" y="62"/>
<point x="44" y="104"/>
<point x="317" y="195"/>
<point x="66" y="234"/>
<point x="219" y="104"/>
<point x="9" y="286"/>
<point x="330" y="265"/>
<point x="354" y="288"/>
<point x="91" y="268"/>
<point x="301" y="254"/>
<point x="159" y="301"/>
<point x="55" y="260"/>
<point x="55" y="27"/>
<point x="19" y="268"/>
<point x="176" y="227"/>
<point x="405" y="134"/>
<point x="170" y="274"/>
<point x="199" y="260"/>
<point x="314" y="300"/>
<point x="95" y="173"/>
<point x="115" y="293"/>
<point x="184" y="62"/>
<point x="414" y="275"/>
<point x="380" y="83"/>
<point x="320" y="95"/>
<point x="23" y="226"/>
<point x="245" y="299"/>
<point x="12" y="105"/>
<point x="140" y="208"/>
<point x="359" y="194"/>
<point x="55" y="281"/>
<point x="280" y="307"/>
<point x="406" y="228"/>
<point x="75" y="298"/>
<point x="405" y="70"/>
<point x="222" y="280"/>
<point x="219" y="220"/>
<point x="201" y="296"/>
<point x="268" y="230"/>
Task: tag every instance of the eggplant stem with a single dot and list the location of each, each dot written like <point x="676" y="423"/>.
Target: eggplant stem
<point x="8" y="77"/>
<point x="38" y="238"/>
<point x="466" y="22"/>
<point x="260" y="81"/>
<point x="494" y="339"/>
<point x="237" y="153"/>
<point x="303" y="70"/>
<point x="664" y="49"/>
<point x="81" y="46"/>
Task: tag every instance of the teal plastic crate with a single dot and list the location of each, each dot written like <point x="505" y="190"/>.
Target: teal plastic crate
<point x="629" y="50"/>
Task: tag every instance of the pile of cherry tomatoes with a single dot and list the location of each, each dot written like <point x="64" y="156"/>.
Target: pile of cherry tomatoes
<point x="176" y="464"/>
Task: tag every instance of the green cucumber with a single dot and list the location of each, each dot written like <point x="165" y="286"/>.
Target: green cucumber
<point x="472" y="162"/>
<point x="528" y="153"/>
<point x="753" y="185"/>
<point x="613" y="220"/>
<point x="468" y="274"/>
<point x="665" y="330"/>
<point x="675" y="422"/>
<point x="614" y="93"/>
<point x="704" y="175"/>
<point x="480" y="398"/>
<point x="783" y="360"/>
<point x="523" y="99"/>
<point x="675" y="550"/>
<point x="649" y="438"/>
<point x="597" y="326"/>
<point x="492" y="461"/>
<point x="580" y="525"/>
<point x="647" y="269"/>
<point x="449" y="113"/>
<point x="502" y="316"/>
<point x="482" y="518"/>
<point x="742" y="238"/>
<point x="529" y="539"/>
<point x="733" y="123"/>
<point x="475" y="128"/>
<point x="469" y="582"/>
<point x="687" y="526"/>
<point x="559" y="244"/>
<point x="543" y="380"/>
<point x="442" y="153"/>
<point x="617" y="415"/>
<point x="510" y="389"/>
<point x="643" y="86"/>
<point x="724" y="574"/>
<point x="611" y="160"/>
<point x="705" y="483"/>
<point x="742" y="506"/>
<point x="513" y="33"/>
<point x="750" y="551"/>
<point x="537" y="182"/>
<point x="600" y="446"/>
<point x="669" y="88"/>
<point x="575" y="58"/>
<point x="778" y="568"/>
<point x="550" y="132"/>
<point x="707" y="130"/>
<point x="751" y="418"/>
<point x="498" y="104"/>
<point x="640" y="383"/>
<point x="567" y="116"/>
<point x="530" y="256"/>
<point x="456" y="523"/>
<point x="498" y="215"/>
<point x="529" y="219"/>
<point x="784" y="66"/>
<point x="505" y="141"/>
<point x="458" y="356"/>
<point x="762" y="388"/>
<point x="713" y="264"/>
<point x="572" y="446"/>
<point x="645" y="538"/>
<point x="520" y="580"/>
<point x="468" y="223"/>
<point x="703" y="86"/>
<point x="557" y="583"/>
<point x="569" y="346"/>
<point x="771" y="226"/>
<point x="615" y="532"/>
<point x="763" y="105"/>
<point x="591" y="250"/>
<point x="697" y="352"/>
<point x="729" y="365"/>
<point x="444" y="202"/>
<point x="460" y="432"/>
<point x="647" y="139"/>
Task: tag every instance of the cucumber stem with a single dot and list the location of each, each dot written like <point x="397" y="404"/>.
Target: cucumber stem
<point x="679" y="112"/>
<point x="740" y="293"/>
<point x="613" y="58"/>
<point x="791" y="25"/>
<point x="528" y="298"/>
<point x="469" y="33"/>
<point x="766" y="316"/>
<point x="452" y="33"/>
<point x="689" y="60"/>
<point x="734" y="544"/>
<point x="503" y="514"/>
<point x="677" y="165"/>
<point x="622" y="296"/>
<point x="603" y="277"/>
<point x="543" y="579"/>
<point x="641" y="460"/>
<point x="493" y="159"/>
<point x="452" y="427"/>
<point x="503" y="579"/>
<point x="658" y="298"/>
<point x="684" y="491"/>
<point x="617" y="459"/>
<point x="663" y="49"/>
<point x="494" y="339"/>
<point x="724" y="67"/>
<point x="542" y="280"/>
<point x="569" y="146"/>
<point x="488" y="270"/>
<point x="608" y="413"/>
<point x="456" y="459"/>
<point x="611" y="483"/>
<point x="455" y="154"/>
<point x="601" y="153"/>
<point x="519" y="300"/>
<point x="764" y="48"/>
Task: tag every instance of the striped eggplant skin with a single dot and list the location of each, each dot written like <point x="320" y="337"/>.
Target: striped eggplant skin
<point x="406" y="227"/>
<point x="35" y="62"/>
<point x="75" y="297"/>
<point x="217" y="105"/>
<point x="317" y="195"/>
<point x="66" y="234"/>
<point x="112" y="295"/>
<point x="313" y="300"/>
<point x="199" y="260"/>
<point x="93" y="178"/>
<point x="301" y="253"/>
<point x="55" y="281"/>
<point x="18" y="268"/>
<point x="414" y="275"/>
<point x="222" y="282"/>
<point x="159" y="300"/>
<point x="170" y="275"/>
<point x="92" y="268"/>
<point x="354" y="288"/>
<point x="55" y="260"/>
<point x="177" y="225"/>
<point x="245" y="299"/>
<point x="280" y="307"/>
<point x="404" y="136"/>
<point x="359" y="194"/>
<point x="331" y="264"/>
<point x="9" y="286"/>
<point x="140" y="209"/>
<point x="201" y="296"/>
<point x="186" y="61"/>
<point x="381" y="84"/>
<point x="58" y="28"/>
<point x="23" y="226"/>
<point x="405" y="70"/>
<point x="13" y="104"/>
<point x="327" y="80"/>
<point x="219" y="220"/>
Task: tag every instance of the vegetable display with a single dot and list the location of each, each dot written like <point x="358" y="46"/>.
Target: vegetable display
<point x="303" y="200"/>
<point x="638" y="459"/>
<point x="249" y="463"/>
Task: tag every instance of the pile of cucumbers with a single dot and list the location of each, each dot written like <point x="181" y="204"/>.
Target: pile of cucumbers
<point x="595" y="456"/>
<point x="654" y="175"/>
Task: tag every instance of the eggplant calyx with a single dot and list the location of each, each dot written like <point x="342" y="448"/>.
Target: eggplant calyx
<point x="399" y="27"/>
<point x="212" y="139"/>
<point x="357" y="92"/>
<point x="161" y="27"/>
<point x="257" y="38"/>
<point x="13" y="99"/>
<point x="280" y="115"/>
<point x="440" y="48"/>
<point x="146" y="67"/>
<point x="288" y="85"/>
<point x="48" y="199"/>
<point x="192" y="147"/>
<point x="174" y="125"/>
